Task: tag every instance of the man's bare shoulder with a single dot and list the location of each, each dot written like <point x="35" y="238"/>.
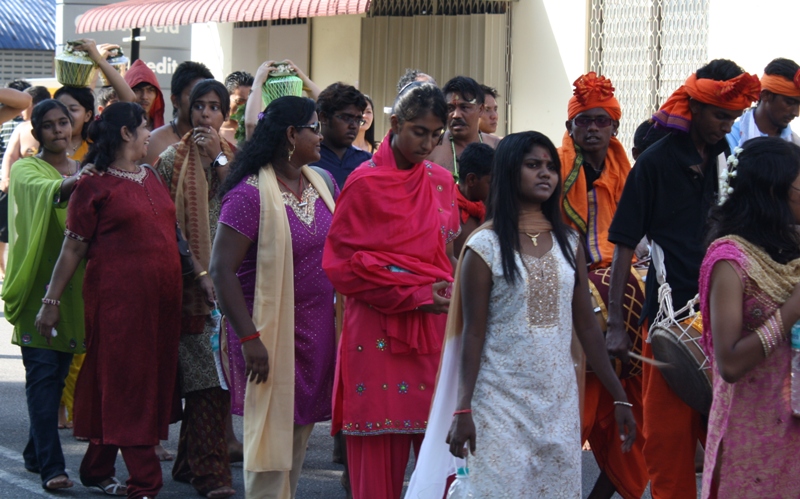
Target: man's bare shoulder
<point x="442" y="155"/>
<point x="160" y="139"/>
<point x="491" y="139"/>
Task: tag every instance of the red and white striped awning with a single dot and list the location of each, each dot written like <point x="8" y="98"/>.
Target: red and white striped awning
<point x="143" y="13"/>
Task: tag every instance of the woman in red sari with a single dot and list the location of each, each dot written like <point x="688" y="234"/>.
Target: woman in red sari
<point x="389" y="251"/>
<point x="122" y="222"/>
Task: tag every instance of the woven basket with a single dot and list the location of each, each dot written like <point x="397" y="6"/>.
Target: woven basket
<point x="280" y="83"/>
<point x="74" y="68"/>
<point x="118" y="61"/>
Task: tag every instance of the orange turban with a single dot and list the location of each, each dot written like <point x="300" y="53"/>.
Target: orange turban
<point x="778" y="84"/>
<point x="734" y="94"/>
<point x="592" y="91"/>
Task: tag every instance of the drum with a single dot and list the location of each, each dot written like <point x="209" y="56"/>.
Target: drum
<point x="689" y="374"/>
<point x="599" y="282"/>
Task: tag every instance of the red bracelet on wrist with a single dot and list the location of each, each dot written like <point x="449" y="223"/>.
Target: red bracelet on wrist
<point x="463" y="411"/>
<point x="251" y="337"/>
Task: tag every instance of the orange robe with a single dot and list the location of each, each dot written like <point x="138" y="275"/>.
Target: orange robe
<point x="591" y="213"/>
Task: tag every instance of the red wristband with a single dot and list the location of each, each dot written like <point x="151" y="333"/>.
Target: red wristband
<point x="251" y="337"/>
<point x="463" y="411"/>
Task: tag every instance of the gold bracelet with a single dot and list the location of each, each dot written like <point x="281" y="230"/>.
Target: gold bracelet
<point x="201" y="274"/>
<point x="779" y="323"/>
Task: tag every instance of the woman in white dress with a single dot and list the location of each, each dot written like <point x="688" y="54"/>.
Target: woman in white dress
<point x="507" y="388"/>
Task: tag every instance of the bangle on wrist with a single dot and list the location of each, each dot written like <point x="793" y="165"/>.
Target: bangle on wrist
<point x="50" y="301"/>
<point x="201" y="274"/>
<point x="249" y="338"/>
<point x="620" y="402"/>
<point x="462" y="411"/>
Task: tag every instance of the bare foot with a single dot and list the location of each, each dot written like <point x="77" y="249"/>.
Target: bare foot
<point x="163" y="454"/>
<point x="62" y="418"/>
<point x="59" y="482"/>
<point x="221" y="493"/>
<point x="236" y="451"/>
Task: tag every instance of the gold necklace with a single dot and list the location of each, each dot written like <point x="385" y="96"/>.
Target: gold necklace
<point x="533" y="238"/>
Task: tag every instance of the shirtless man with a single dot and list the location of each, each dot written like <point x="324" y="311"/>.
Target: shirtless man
<point x="464" y="107"/>
<point x="186" y="76"/>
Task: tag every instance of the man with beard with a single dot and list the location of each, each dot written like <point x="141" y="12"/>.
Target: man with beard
<point x="186" y="76"/>
<point x="778" y="105"/>
<point x="464" y="109"/>
<point x="340" y="108"/>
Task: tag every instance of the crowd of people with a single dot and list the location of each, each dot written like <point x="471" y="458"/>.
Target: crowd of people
<point x="431" y="290"/>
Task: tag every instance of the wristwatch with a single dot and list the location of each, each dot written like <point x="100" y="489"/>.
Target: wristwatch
<point x="220" y="160"/>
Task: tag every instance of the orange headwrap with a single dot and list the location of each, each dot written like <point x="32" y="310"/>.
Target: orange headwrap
<point x="734" y="94"/>
<point x="778" y="84"/>
<point x="592" y="91"/>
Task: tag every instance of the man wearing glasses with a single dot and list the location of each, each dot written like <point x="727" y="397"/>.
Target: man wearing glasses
<point x="594" y="167"/>
<point x="340" y="108"/>
<point x="464" y="98"/>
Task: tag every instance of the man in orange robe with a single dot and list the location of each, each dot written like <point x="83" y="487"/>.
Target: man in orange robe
<point x="667" y="197"/>
<point x="594" y="167"/>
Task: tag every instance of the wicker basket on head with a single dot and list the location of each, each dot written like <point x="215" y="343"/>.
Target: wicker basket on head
<point x="118" y="61"/>
<point x="74" y="68"/>
<point x="280" y="83"/>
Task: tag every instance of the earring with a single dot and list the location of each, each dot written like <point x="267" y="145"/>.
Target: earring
<point x="614" y="134"/>
<point x="291" y="151"/>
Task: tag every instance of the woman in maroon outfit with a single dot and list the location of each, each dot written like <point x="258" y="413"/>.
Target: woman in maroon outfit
<point x="123" y="223"/>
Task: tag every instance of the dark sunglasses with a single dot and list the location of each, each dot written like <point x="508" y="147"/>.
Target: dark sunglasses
<point x="586" y="121"/>
<point x="314" y="127"/>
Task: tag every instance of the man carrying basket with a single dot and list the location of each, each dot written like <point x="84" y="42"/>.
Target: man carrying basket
<point x="667" y="197"/>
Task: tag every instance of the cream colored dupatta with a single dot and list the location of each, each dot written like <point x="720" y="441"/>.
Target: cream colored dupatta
<point x="269" y="406"/>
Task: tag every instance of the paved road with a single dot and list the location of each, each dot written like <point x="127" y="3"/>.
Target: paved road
<point x="320" y="478"/>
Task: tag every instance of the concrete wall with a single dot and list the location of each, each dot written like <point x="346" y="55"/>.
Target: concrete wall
<point x="335" y="49"/>
<point x="548" y="53"/>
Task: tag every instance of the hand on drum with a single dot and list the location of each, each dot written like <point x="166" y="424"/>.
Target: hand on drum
<point x="625" y="421"/>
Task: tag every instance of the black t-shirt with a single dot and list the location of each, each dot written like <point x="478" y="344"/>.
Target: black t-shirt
<point x="667" y="200"/>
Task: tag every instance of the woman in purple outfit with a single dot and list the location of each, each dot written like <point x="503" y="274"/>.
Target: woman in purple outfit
<point x="266" y="264"/>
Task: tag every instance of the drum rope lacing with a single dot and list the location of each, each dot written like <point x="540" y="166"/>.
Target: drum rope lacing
<point x="665" y="318"/>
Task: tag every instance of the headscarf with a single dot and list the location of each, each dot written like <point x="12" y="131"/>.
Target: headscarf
<point x="778" y="84"/>
<point x="735" y="94"/>
<point x="592" y="91"/>
<point x="139" y="73"/>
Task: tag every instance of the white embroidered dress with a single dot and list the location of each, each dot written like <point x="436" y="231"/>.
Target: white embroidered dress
<point x="525" y="404"/>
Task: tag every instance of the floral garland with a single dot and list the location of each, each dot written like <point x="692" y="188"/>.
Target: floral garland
<point x="727" y="173"/>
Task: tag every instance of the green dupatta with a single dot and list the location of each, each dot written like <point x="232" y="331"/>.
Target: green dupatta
<point x="36" y="232"/>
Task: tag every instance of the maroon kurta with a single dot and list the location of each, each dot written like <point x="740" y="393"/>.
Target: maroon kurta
<point x="132" y="293"/>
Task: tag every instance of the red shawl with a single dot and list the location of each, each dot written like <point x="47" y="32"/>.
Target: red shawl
<point x="140" y="73"/>
<point x="384" y="218"/>
<point x="474" y="209"/>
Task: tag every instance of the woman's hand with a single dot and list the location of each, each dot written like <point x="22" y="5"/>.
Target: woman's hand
<point x="624" y="417"/>
<point x="462" y="431"/>
<point x="440" y="303"/>
<point x="90" y="170"/>
<point x="256" y="361"/>
<point x="207" y="141"/>
<point x="207" y="286"/>
<point x="90" y="47"/>
<point x="46" y="320"/>
<point x="308" y="86"/>
<point x="262" y="73"/>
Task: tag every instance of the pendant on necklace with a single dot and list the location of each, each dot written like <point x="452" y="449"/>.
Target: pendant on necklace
<point x="533" y="238"/>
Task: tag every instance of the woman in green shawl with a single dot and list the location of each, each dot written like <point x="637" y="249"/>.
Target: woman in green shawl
<point x="39" y="189"/>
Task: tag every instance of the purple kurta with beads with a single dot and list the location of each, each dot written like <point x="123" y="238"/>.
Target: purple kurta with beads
<point x="315" y="335"/>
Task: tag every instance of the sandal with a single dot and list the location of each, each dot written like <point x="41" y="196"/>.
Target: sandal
<point x="57" y="483"/>
<point x="113" y="488"/>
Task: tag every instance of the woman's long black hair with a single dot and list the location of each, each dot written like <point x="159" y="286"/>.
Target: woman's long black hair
<point x="85" y="98"/>
<point x="758" y="209"/>
<point x="268" y="141"/>
<point x="105" y="133"/>
<point x="505" y="193"/>
<point x="369" y="135"/>
<point x="39" y="112"/>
